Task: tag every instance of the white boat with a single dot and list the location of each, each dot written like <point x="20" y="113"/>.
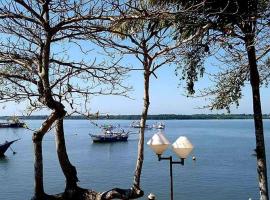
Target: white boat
<point x="137" y="124"/>
<point x="159" y="125"/>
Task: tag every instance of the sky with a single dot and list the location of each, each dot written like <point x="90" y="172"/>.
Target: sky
<point x="167" y="95"/>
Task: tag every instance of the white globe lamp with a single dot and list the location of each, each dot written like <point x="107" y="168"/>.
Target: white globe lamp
<point x="158" y="143"/>
<point x="182" y="147"/>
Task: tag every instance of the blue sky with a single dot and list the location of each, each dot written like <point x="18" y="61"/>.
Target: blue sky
<point x="167" y="96"/>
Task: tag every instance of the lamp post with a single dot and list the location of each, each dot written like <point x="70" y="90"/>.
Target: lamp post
<point x="182" y="147"/>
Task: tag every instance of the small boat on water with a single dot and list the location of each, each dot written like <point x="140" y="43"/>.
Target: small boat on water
<point x="4" y="147"/>
<point x="159" y="125"/>
<point x="11" y="125"/>
<point x="110" y="135"/>
<point x="13" y="122"/>
<point x="136" y="124"/>
<point x="108" y="126"/>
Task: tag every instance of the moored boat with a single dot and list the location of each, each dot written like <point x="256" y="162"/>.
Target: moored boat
<point x="110" y="136"/>
<point x="136" y="124"/>
<point x="13" y="122"/>
<point x="159" y="125"/>
<point x="4" y="147"/>
<point x="12" y="125"/>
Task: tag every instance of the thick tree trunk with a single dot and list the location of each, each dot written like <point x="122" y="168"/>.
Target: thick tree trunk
<point x="68" y="169"/>
<point x="140" y="158"/>
<point x="260" y="146"/>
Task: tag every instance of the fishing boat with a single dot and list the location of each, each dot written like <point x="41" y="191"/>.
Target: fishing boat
<point x="13" y="122"/>
<point x="110" y="135"/>
<point x="11" y="125"/>
<point x="4" y="147"/>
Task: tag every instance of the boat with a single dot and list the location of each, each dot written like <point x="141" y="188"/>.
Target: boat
<point x="137" y="124"/>
<point x="11" y="125"/>
<point x="159" y="125"/>
<point x="5" y="146"/>
<point x="107" y="126"/>
<point x="110" y="135"/>
<point x="13" y="122"/>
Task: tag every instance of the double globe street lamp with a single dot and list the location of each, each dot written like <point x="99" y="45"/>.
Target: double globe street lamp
<point x="182" y="147"/>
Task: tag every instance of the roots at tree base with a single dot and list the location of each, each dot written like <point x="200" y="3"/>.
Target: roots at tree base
<point x="86" y="194"/>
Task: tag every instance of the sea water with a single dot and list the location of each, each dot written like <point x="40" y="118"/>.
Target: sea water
<point x="225" y="168"/>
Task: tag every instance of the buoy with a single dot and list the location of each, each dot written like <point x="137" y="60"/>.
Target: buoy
<point x="14" y="152"/>
<point x="151" y="196"/>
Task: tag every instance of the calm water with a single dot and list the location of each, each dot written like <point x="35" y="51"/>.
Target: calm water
<point x="225" y="168"/>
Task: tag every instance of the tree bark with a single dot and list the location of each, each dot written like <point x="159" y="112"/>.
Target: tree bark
<point x="38" y="170"/>
<point x="140" y="158"/>
<point x="68" y="169"/>
<point x="258" y="122"/>
<point x="39" y="193"/>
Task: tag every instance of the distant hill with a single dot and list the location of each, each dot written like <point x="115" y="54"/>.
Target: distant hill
<point x="151" y="117"/>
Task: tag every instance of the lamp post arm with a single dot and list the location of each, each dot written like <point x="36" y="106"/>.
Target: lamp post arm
<point x="163" y="158"/>
<point x="182" y="161"/>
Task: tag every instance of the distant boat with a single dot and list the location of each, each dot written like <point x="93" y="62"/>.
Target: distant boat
<point x="108" y="126"/>
<point x="5" y="146"/>
<point x="110" y="136"/>
<point x="159" y="125"/>
<point x="11" y="125"/>
<point x="13" y="122"/>
<point x="137" y="124"/>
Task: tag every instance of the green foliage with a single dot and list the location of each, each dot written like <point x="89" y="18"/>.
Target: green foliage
<point x="139" y="22"/>
<point x="228" y="89"/>
<point x="229" y="21"/>
<point x="192" y="66"/>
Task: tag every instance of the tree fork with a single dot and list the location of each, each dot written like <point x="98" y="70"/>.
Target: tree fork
<point x="38" y="158"/>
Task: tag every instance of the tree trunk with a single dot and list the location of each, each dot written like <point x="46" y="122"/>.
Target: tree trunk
<point x="259" y="134"/>
<point x="38" y="171"/>
<point x="68" y="169"/>
<point x="39" y="193"/>
<point x="139" y="164"/>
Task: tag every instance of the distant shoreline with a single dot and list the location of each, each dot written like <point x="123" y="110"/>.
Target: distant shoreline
<point x="150" y="117"/>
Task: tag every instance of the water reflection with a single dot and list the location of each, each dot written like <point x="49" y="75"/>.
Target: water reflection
<point x="4" y="164"/>
<point x="3" y="159"/>
<point x="110" y="149"/>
